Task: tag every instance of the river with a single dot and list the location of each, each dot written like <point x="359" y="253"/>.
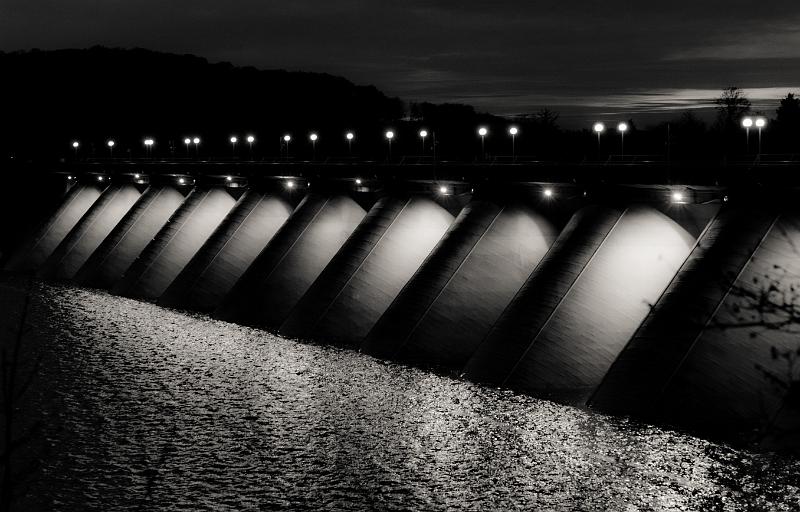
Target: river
<point x="143" y="408"/>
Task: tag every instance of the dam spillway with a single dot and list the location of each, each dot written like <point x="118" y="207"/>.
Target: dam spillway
<point x="621" y="299"/>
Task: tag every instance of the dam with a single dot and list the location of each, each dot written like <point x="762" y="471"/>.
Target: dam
<point x="675" y="304"/>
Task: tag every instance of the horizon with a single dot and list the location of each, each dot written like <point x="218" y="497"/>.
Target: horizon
<point x="623" y="61"/>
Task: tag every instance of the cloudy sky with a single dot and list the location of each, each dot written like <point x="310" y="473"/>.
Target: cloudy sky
<point x="588" y="59"/>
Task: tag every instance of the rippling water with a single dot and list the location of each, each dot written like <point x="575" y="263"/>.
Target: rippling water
<point x="146" y="408"/>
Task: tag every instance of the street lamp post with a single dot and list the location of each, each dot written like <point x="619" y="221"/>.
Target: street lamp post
<point x="196" y="142"/>
<point x="482" y="131"/>
<point x="622" y="128"/>
<point x="234" y="139"/>
<point x="760" y="123"/>
<point x="513" y="131"/>
<point x="110" y="144"/>
<point x="250" y="140"/>
<point x="187" y="141"/>
<point x="349" y="136"/>
<point x="148" y="146"/>
<point x="287" y="139"/>
<point x="313" y="137"/>
<point x="75" y="146"/>
<point x="389" y="137"/>
<point x="422" y="135"/>
<point x="747" y="123"/>
<point x="598" y="128"/>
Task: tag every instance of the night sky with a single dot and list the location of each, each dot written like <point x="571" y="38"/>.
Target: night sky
<point x="584" y="59"/>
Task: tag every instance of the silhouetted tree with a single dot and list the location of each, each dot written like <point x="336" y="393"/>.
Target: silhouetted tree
<point x="787" y="123"/>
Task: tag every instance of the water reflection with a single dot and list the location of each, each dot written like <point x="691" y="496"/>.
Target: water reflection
<point x="149" y="408"/>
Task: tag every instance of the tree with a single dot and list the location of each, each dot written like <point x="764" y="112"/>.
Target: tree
<point x="732" y="105"/>
<point x="787" y="123"/>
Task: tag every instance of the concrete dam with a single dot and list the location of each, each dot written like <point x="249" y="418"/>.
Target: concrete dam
<point x="677" y="305"/>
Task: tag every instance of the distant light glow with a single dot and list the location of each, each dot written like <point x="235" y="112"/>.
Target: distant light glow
<point x="313" y="137"/>
<point x="513" y="130"/>
<point x="443" y="190"/>
<point x="181" y="181"/>
<point x="251" y="139"/>
<point x="290" y="184"/>
<point x="761" y="122"/>
<point x="234" y="140"/>
<point x="423" y="133"/>
<point x="482" y="131"/>
<point x="196" y="140"/>
<point x="110" y="143"/>
<point x="136" y="176"/>
<point x="677" y="197"/>
<point x="747" y="122"/>
<point x="148" y="142"/>
<point x="229" y="178"/>
<point x="69" y="177"/>
<point x="187" y="141"/>
<point x="350" y="136"/>
<point x="99" y="178"/>
<point x="599" y="127"/>
<point x="622" y="127"/>
<point x="287" y="138"/>
<point x="548" y="192"/>
<point x="76" y="144"/>
<point x="358" y="181"/>
<point x="390" y="134"/>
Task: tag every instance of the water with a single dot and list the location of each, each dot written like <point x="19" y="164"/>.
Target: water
<point x="145" y="408"/>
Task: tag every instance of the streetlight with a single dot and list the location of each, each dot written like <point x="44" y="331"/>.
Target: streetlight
<point x="75" y="146"/>
<point x="389" y="137"/>
<point x="622" y="128"/>
<point x="548" y="192"/>
<point x="148" y="146"/>
<point x="250" y="141"/>
<point x="482" y="131"/>
<point x="443" y="190"/>
<point x="110" y="148"/>
<point x="747" y="123"/>
<point x="187" y="141"/>
<point x="422" y="135"/>
<point x="513" y="131"/>
<point x="313" y="137"/>
<point x="234" y="139"/>
<point x="286" y="139"/>
<point x="358" y="181"/>
<point x="196" y="142"/>
<point x="350" y="136"/>
<point x="598" y="128"/>
<point x="760" y="123"/>
<point x="290" y="184"/>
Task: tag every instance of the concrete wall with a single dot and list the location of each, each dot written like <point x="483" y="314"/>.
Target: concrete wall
<point x="176" y="243"/>
<point x="364" y="277"/>
<point x="32" y="255"/>
<point x="85" y="237"/>
<point x="292" y="260"/>
<point x="129" y="237"/>
<point x="725" y="362"/>
<point x="458" y="295"/>
<point x="228" y="252"/>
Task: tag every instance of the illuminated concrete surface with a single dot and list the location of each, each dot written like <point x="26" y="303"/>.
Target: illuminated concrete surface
<point x="90" y="231"/>
<point x="106" y="266"/>
<point x="292" y="260"/>
<point x="176" y="243"/>
<point x="365" y="276"/>
<point x="721" y="362"/>
<point x="489" y="252"/>
<point x="228" y="252"/>
<point x="32" y="255"/>
<point x="604" y="306"/>
<point x="541" y="293"/>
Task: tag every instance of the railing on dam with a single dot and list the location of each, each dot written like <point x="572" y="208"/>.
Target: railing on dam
<point x="669" y="300"/>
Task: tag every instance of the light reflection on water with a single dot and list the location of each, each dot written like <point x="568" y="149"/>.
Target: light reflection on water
<point x="148" y="408"/>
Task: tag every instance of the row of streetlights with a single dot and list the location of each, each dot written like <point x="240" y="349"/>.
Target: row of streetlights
<point x="622" y="128"/>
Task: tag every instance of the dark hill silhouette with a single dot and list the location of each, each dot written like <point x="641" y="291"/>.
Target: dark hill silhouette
<point x="52" y="97"/>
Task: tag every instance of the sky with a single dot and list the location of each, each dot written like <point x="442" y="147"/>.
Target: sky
<point x="587" y="60"/>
